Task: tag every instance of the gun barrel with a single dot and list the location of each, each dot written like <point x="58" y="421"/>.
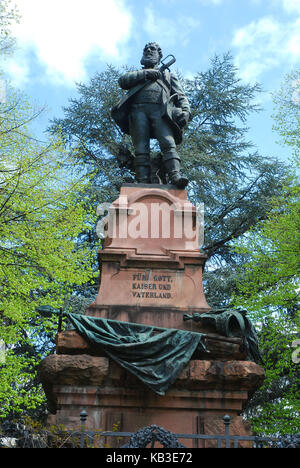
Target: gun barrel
<point x="168" y="64"/>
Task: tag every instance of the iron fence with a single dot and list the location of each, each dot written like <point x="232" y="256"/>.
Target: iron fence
<point x="15" y="435"/>
<point x="147" y="438"/>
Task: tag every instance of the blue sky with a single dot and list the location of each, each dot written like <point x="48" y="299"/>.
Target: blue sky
<point x="64" y="41"/>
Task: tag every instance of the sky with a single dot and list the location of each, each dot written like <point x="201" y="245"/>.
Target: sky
<point x="61" y="42"/>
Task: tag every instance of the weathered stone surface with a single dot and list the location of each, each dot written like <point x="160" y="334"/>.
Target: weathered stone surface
<point x="180" y="410"/>
<point x="198" y="375"/>
<point x="196" y="402"/>
<point x="70" y="370"/>
<point x="243" y="375"/>
<point x="223" y="348"/>
<point x="74" y="370"/>
<point x="70" y="342"/>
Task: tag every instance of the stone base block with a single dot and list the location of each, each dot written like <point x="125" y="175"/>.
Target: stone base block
<point x="151" y="255"/>
<point x="195" y="404"/>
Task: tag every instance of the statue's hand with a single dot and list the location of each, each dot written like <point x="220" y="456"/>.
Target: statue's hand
<point x="183" y="119"/>
<point x="152" y="74"/>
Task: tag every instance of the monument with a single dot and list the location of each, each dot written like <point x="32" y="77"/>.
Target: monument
<point x="150" y="349"/>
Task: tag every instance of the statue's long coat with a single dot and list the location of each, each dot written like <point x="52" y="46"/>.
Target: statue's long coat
<point x="173" y="99"/>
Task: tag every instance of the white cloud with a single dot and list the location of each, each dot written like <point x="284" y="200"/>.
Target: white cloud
<point x="163" y="29"/>
<point x="266" y="44"/>
<point x="64" y="32"/>
<point x="18" y="69"/>
<point x="168" y="31"/>
<point x="291" y="6"/>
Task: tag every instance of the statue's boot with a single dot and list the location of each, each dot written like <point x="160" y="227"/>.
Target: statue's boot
<point x="173" y="169"/>
<point x="142" y="169"/>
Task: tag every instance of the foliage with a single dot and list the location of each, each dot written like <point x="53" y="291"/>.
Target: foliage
<point x="8" y="15"/>
<point x="269" y="288"/>
<point x="287" y="113"/>
<point x="29" y="433"/>
<point x="43" y="210"/>
<point x="271" y="276"/>
<point x="233" y="181"/>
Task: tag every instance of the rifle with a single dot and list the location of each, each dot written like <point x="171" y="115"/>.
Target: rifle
<point x="120" y="112"/>
<point x="165" y="66"/>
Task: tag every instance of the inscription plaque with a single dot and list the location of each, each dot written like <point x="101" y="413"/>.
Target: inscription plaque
<point x="149" y="286"/>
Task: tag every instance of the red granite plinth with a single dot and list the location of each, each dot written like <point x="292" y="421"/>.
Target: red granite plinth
<point x="151" y="273"/>
<point x="151" y="258"/>
<point x="196" y="403"/>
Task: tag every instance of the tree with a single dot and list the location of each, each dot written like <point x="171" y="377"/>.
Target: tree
<point x="226" y="173"/>
<point x="269" y="286"/>
<point x="8" y="15"/>
<point x="269" y="290"/>
<point x="287" y="113"/>
<point x="43" y="211"/>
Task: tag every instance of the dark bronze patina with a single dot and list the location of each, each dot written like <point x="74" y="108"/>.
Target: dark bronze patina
<point x="154" y="107"/>
<point x="232" y="323"/>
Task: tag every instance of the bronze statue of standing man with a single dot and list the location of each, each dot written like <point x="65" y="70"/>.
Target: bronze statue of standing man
<point x="154" y="107"/>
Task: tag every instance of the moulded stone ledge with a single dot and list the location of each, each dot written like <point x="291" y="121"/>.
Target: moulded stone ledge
<point x="174" y="399"/>
<point x="89" y="370"/>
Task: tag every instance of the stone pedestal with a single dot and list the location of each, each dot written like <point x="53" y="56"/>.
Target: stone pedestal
<point x="151" y="273"/>
<point x="195" y="404"/>
<point x="151" y="257"/>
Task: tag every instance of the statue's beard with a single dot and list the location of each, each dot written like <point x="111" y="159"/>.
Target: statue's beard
<point x="149" y="62"/>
